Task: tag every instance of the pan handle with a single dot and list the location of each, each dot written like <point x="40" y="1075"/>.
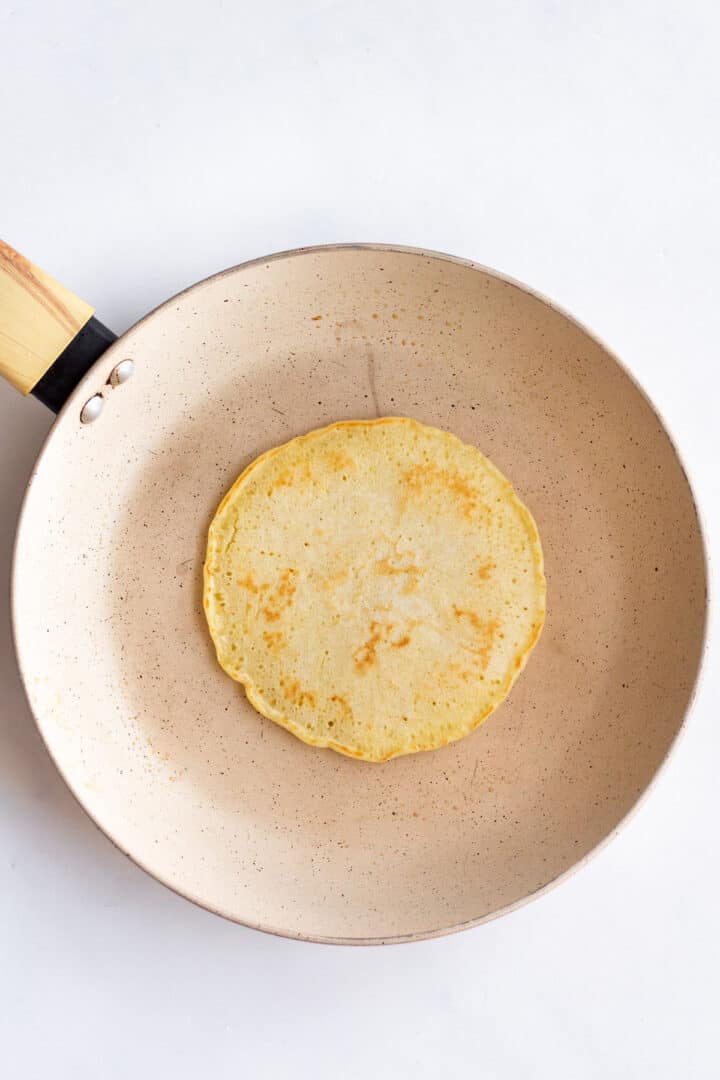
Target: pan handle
<point x="49" y="337"/>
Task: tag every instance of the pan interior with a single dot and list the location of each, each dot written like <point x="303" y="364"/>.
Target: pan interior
<point x="163" y="749"/>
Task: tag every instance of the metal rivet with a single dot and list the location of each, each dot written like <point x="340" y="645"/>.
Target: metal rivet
<point x="91" y="409"/>
<point x="121" y="373"/>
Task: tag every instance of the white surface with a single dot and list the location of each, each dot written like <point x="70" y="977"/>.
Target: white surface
<point x="571" y="144"/>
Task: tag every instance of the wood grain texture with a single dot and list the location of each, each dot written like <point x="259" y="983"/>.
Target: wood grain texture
<point x="39" y="318"/>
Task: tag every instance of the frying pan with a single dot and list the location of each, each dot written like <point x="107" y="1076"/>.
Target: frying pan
<point x="163" y="750"/>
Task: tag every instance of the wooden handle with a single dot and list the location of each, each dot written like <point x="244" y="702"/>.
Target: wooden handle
<point x="38" y="319"/>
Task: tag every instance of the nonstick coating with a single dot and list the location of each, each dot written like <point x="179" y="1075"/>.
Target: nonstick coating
<point x="161" y="747"/>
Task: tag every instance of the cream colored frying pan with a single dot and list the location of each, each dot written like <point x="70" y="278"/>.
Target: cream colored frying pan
<point x="161" y="747"/>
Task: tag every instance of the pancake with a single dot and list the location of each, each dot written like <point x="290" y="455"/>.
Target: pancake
<point x="376" y="586"/>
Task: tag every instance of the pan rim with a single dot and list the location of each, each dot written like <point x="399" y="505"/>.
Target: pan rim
<point x="699" y="675"/>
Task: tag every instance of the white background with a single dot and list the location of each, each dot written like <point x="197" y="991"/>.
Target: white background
<point x="573" y="145"/>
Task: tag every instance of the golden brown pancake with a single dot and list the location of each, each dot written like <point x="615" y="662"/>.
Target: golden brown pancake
<point x="375" y="585"/>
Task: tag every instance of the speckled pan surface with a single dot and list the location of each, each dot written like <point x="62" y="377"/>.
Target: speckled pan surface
<point x="162" y="748"/>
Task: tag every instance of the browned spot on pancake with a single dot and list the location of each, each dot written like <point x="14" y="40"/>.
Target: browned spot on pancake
<point x="329" y="582"/>
<point x="339" y="462"/>
<point x="315" y="317"/>
<point x="282" y="480"/>
<point x="274" y="639"/>
<point x="420" y="477"/>
<point x="485" y="569"/>
<point x="485" y="631"/>
<point x="452" y="674"/>
<point x="364" y="655"/>
<point x="380" y="634"/>
<point x="343" y="705"/>
<point x="385" y="566"/>
<point x="281" y="596"/>
<point x="294" y="693"/>
<point x="472" y="616"/>
<point x="248" y="582"/>
<point x="297" y="475"/>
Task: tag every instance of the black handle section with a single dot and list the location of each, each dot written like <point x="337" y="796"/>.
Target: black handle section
<point x="60" y="380"/>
